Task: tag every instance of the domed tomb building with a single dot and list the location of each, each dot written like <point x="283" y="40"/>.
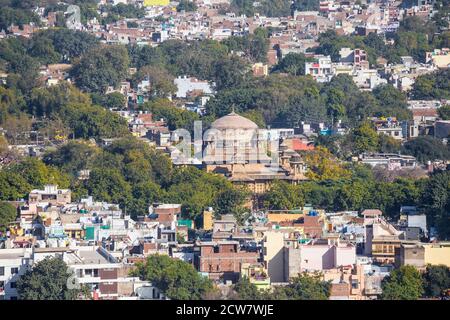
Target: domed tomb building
<point x="234" y="147"/>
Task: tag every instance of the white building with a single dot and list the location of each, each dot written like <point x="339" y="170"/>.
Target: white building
<point x="92" y="266"/>
<point x="188" y="84"/>
<point x="13" y="264"/>
<point x="367" y="79"/>
<point x="320" y="69"/>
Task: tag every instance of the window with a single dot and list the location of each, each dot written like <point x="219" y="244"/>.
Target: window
<point x="2" y="271"/>
<point x="13" y="285"/>
<point x="14" y="270"/>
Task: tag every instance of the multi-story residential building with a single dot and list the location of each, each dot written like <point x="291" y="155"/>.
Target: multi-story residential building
<point x="410" y="254"/>
<point x="347" y="282"/>
<point x="390" y="161"/>
<point x="51" y="194"/>
<point x="422" y="254"/>
<point x="317" y="256"/>
<point x="93" y="267"/>
<point x="223" y="259"/>
<point x="437" y="253"/>
<point x="389" y="127"/>
<point x="187" y="84"/>
<point x="273" y="254"/>
<point x="355" y="57"/>
<point x="320" y="69"/>
<point x="13" y="264"/>
<point x="382" y="238"/>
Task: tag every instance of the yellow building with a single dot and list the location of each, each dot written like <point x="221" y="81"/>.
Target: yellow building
<point x="256" y="274"/>
<point x="437" y="253"/>
<point x="280" y="217"/>
<point x="208" y="219"/>
<point x="149" y="3"/>
<point x="291" y="215"/>
<point x="74" y="231"/>
<point x="273" y="253"/>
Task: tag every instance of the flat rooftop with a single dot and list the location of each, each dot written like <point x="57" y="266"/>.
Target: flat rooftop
<point x="10" y="256"/>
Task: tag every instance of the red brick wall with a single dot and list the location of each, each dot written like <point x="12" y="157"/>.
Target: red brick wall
<point x="226" y="262"/>
<point x="107" y="273"/>
<point x="108" y="288"/>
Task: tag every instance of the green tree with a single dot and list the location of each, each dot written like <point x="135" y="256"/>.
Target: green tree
<point x="51" y="100"/>
<point x="144" y="194"/>
<point x="178" y="280"/>
<point x="186" y="5"/>
<point x="306" y="5"/>
<point x="8" y="214"/>
<point x="325" y="166"/>
<point x="114" y="100"/>
<point x="161" y="81"/>
<point x="330" y="44"/>
<point x="365" y="138"/>
<point x="48" y="280"/>
<point x="69" y="44"/>
<point x="431" y="86"/>
<point x="246" y="290"/>
<point x="404" y="283"/>
<point x="101" y="67"/>
<point x="436" y="201"/>
<point x="90" y="121"/>
<point x="229" y="73"/>
<point x="444" y="112"/>
<point x="176" y="118"/>
<point x="292" y="63"/>
<point x="37" y="174"/>
<point x="126" y="10"/>
<point x="303" y="287"/>
<point x="11" y="103"/>
<point x="108" y="185"/>
<point x="42" y="49"/>
<point x="388" y="144"/>
<point x="284" y="196"/>
<point x="72" y="157"/>
<point x="427" y="148"/>
<point x="392" y="102"/>
<point x="16" y="16"/>
<point x="436" y="279"/>
<point x="13" y="186"/>
<point x="230" y="200"/>
<point x="256" y="116"/>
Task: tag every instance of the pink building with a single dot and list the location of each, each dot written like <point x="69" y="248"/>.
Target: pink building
<point x="319" y="256"/>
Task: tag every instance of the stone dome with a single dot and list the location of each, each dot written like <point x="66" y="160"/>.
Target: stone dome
<point x="233" y="121"/>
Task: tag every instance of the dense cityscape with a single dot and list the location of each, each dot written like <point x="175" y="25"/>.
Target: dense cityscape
<point x="224" y="150"/>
